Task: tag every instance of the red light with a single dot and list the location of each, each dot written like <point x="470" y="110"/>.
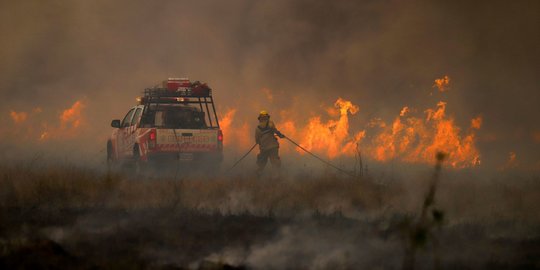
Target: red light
<point x="152" y="139"/>
<point x="220" y="136"/>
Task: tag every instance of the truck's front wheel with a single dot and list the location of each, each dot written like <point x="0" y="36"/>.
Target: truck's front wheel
<point x="138" y="164"/>
<point x="110" y="155"/>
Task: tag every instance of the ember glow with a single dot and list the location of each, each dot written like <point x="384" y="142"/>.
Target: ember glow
<point x="18" y="117"/>
<point x="442" y="84"/>
<point x="404" y="111"/>
<point x="476" y="123"/>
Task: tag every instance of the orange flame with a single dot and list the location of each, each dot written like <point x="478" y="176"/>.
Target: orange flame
<point x="225" y="125"/>
<point x="31" y="127"/>
<point x="404" y="111"/>
<point x="408" y="138"/>
<point x="25" y="125"/>
<point x="70" y="122"/>
<point x="244" y="136"/>
<point x="235" y="134"/>
<point x="71" y="118"/>
<point x="442" y="83"/>
<point x="332" y="137"/>
<point x="476" y="123"/>
<point x="418" y="141"/>
<point x="18" y="117"/>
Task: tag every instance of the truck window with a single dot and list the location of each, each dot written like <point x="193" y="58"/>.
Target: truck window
<point x="136" y="117"/>
<point x="175" y="118"/>
<point x="127" y="120"/>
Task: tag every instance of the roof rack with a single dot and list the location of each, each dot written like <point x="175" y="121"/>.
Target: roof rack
<point x="182" y="91"/>
<point x="197" y="91"/>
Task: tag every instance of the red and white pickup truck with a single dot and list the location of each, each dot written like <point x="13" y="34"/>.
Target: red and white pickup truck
<point x="175" y="122"/>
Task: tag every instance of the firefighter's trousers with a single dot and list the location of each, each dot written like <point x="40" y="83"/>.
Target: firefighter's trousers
<point x="262" y="159"/>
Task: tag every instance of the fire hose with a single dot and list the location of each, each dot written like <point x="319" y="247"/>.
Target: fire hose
<point x="319" y="158"/>
<point x="253" y="147"/>
<point x="305" y="150"/>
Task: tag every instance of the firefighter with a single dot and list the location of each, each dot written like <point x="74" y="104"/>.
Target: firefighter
<point x="268" y="144"/>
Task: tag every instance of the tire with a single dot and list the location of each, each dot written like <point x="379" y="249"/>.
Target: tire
<point x="138" y="165"/>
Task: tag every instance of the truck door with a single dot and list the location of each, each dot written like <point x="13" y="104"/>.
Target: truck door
<point x="123" y="134"/>
<point x="131" y="136"/>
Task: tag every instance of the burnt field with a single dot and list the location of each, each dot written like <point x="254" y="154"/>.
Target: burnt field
<point x="69" y="217"/>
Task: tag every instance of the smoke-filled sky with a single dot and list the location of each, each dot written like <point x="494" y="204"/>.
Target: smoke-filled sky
<point x="381" y="55"/>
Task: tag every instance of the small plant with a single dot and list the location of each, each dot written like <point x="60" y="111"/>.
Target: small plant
<point x="417" y="233"/>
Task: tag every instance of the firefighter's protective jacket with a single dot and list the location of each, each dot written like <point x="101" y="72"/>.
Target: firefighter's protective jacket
<point x="264" y="135"/>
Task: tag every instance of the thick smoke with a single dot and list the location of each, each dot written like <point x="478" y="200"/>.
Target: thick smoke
<point x="381" y="55"/>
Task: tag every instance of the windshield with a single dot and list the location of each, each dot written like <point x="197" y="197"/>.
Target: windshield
<point x="174" y="117"/>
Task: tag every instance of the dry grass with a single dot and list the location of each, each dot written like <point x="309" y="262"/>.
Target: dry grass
<point x="82" y="216"/>
<point x="72" y="187"/>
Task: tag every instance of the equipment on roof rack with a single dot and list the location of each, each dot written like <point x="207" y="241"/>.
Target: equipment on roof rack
<point x="179" y="88"/>
<point x="181" y="91"/>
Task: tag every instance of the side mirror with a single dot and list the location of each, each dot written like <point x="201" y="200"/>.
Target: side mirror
<point x="115" y="123"/>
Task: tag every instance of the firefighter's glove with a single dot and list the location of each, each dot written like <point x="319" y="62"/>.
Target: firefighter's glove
<point x="279" y="134"/>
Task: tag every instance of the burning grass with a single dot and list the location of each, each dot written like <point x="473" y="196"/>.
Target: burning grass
<point x="73" y="217"/>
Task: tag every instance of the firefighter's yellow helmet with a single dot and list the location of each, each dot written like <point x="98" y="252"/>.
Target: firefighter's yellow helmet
<point x="263" y="113"/>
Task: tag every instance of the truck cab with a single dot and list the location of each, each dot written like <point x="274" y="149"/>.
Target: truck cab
<point x="176" y="122"/>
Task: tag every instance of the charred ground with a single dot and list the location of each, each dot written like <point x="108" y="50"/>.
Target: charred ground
<point x="72" y="217"/>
